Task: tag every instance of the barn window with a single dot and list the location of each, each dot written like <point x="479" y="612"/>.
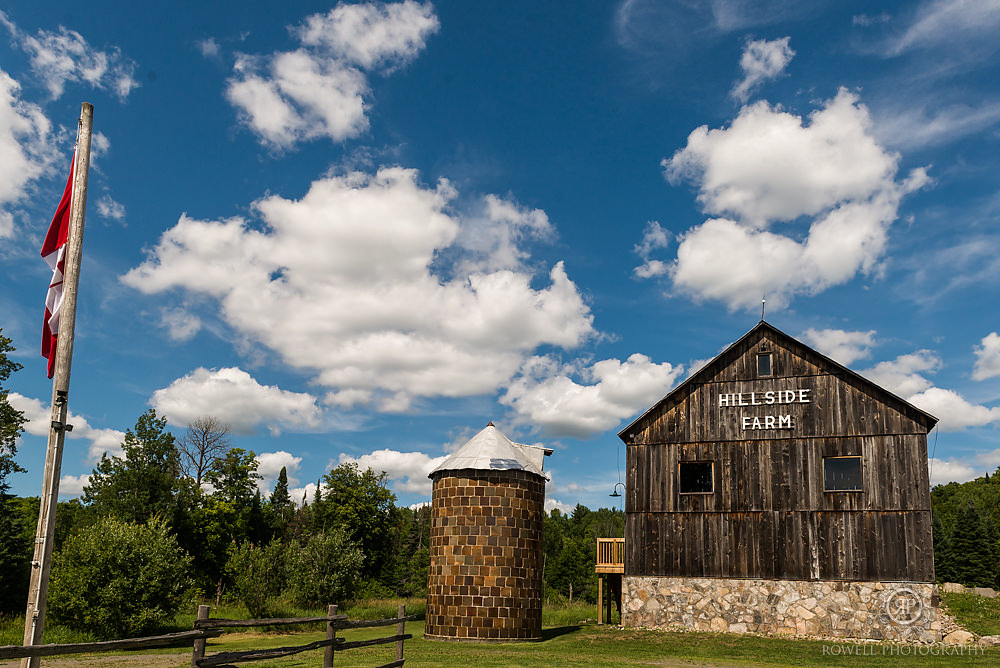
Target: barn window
<point x="764" y="364"/>
<point x="842" y="474"/>
<point x="696" y="478"/>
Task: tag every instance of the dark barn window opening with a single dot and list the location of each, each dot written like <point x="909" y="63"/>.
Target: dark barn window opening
<point x="764" y="364"/>
<point x="842" y="474"/>
<point x="696" y="477"/>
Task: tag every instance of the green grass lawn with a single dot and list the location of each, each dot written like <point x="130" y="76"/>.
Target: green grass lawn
<point x="567" y="641"/>
<point x="979" y="614"/>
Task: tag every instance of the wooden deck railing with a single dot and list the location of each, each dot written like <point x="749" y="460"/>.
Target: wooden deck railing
<point x="610" y="555"/>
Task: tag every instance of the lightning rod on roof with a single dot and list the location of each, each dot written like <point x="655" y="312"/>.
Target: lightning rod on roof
<point x="762" y="303"/>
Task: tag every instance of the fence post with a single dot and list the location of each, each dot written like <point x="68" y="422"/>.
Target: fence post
<point x="198" y="650"/>
<point x="331" y="634"/>
<point x="400" y="630"/>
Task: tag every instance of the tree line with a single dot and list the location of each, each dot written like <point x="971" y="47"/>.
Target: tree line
<point x="173" y="519"/>
<point x="966" y="525"/>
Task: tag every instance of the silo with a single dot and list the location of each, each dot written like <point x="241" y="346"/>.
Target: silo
<point x="485" y="580"/>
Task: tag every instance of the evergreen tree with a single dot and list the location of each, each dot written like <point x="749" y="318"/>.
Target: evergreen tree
<point x="143" y="483"/>
<point x="971" y="555"/>
<point x="279" y="497"/>
<point x="942" y="545"/>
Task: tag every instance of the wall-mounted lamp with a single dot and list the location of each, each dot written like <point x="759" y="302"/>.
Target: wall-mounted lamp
<point x="615" y="492"/>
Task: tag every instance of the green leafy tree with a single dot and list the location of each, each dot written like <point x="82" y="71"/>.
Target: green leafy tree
<point x="324" y="569"/>
<point x="143" y="483"/>
<point x="257" y="573"/>
<point x="11" y="420"/>
<point x="215" y="526"/>
<point x="359" y="503"/>
<point x="15" y="551"/>
<point x="234" y="477"/>
<point x="118" y="579"/>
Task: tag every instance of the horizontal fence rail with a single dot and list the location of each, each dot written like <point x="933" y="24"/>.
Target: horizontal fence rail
<point x="331" y="644"/>
<point x="167" y="640"/>
<point x="206" y="627"/>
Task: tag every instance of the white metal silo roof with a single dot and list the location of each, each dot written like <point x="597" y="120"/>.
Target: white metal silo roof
<point x="490" y="450"/>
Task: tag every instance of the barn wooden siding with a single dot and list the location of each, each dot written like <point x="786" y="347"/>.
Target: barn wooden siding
<point x="768" y="516"/>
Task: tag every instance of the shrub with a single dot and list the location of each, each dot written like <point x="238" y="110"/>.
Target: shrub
<point x="324" y="569"/>
<point x="118" y="579"/>
<point x="258" y="575"/>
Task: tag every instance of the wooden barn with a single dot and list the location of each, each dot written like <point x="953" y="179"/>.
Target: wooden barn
<point x="777" y="491"/>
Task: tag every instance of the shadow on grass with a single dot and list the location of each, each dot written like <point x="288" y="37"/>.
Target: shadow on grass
<point x="549" y="634"/>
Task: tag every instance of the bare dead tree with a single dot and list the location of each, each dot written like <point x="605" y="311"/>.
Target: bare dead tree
<point x="206" y="440"/>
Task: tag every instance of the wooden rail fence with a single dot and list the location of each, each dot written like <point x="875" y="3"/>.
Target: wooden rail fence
<point x="206" y="627"/>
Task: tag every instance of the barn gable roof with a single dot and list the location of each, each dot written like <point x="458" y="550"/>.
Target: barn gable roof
<point x="490" y="450"/>
<point x="757" y="333"/>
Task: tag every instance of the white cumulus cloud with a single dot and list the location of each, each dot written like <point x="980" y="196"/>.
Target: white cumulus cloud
<point x="109" y="208"/>
<point x="372" y="35"/>
<point x="181" y="325"/>
<point x="26" y="144"/>
<point x="987" y="358"/>
<point x="654" y="237"/>
<point x="770" y="166"/>
<point x="65" y="56"/>
<point x="348" y="282"/>
<point x="554" y="504"/>
<point x="320" y="88"/>
<point x="953" y="410"/>
<point x="39" y="417"/>
<point x="407" y="471"/>
<point x="943" y="471"/>
<point x="269" y="465"/>
<point x="71" y="486"/>
<point x="546" y="396"/>
<point x="841" y="345"/>
<point x="761" y="60"/>
<point x="905" y="376"/>
<point x="235" y="398"/>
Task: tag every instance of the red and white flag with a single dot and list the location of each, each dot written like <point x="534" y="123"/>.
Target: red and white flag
<point x="54" y="254"/>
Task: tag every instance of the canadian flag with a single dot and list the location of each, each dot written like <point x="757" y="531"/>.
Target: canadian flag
<point x="54" y="254"/>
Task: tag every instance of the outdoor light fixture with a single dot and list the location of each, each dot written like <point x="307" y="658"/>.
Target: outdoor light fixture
<point x="615" y="492"/>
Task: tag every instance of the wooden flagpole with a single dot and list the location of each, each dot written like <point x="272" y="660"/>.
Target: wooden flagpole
<point x="41" y="564"/>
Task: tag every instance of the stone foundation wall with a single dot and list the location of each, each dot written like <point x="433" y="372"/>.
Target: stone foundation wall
<point x="904" y="611"/>
<point x="485" y="576"/>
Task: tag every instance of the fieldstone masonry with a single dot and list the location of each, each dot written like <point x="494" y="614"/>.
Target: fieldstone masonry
<point x="485" y="581"/>
<point x="903" y="611"/>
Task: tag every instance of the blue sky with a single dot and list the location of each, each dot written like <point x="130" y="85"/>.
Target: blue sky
<point x="359" y="232"/>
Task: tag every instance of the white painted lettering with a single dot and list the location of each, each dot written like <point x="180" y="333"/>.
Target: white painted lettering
<point x="756" y="422"/>
<point x="784" y="422"/>
<point x="768" y="422"/>
<point x="769" y="397"/>
<point x="753" y="399"/>
<point x="741" y="400"/>
<point x="746" y="422"/>
<point x="724" y="400"/>
<point x="804" y="396"/>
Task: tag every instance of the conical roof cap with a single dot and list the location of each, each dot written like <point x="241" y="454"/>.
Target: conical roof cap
<point x="490" y="450"/>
